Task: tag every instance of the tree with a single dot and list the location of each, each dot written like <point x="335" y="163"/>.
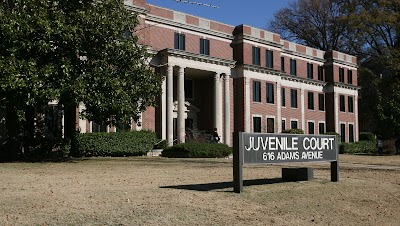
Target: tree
<point x="368" y="29"/>
<point x="315" y="23"/>
<point x="75" y="52"/>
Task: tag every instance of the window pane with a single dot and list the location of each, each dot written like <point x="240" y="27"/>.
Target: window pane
<point x="270" y="125"/>
<point x="257" y="124"/>
<point x="351" y="133"/>
<point x="310" y="100"/>
<point x="293" y="124"/>
<point x="182" y="42"/>
<point x="293" y="67"/>
<point x="283" y="97"/>
<point x="207" y="47"/>
<point x="350" y="103"/>
<point x="321" y="128"/>
<point x="201" y="46"/>
<point x="310" y="128"/>
<point x="256" y="91"/>
<point x="321" y="73"/>
<point x="270" y="93"/>
<point x="293" y="98"/>
<point x="342" y="132"/>
<point x="283" y="125"/>
<point x="310" y="71"/>
<point x="176" y="41"/>
<point x="341" y="74"/>
<point x="321" y="102"/>
<point x="256" y="55"/>
<point x="350" y="77"/>
<point x="270" y="59"/>
<point x="342" y="104"/>
<point x="282" y="63"/>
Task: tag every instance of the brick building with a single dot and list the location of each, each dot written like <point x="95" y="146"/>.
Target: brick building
<point x="240" y="78"/>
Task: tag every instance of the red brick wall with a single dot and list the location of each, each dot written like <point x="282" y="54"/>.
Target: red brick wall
<point x="239" y="97"/>
<point x="288" y="112"/>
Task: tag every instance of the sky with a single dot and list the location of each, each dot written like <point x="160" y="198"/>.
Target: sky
<point x="255" y="13"/>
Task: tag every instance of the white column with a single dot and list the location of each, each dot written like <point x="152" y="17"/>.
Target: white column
<point x="181" y="105"/>
<point x="303" y="115"/>
<point x="356" y="132"/>
<point x="336" y="107"/>
<point x="278" y="105"/>
<point x="170" y="105"/>
<point x="247" y="103"/>
<point x="164" y="110"/>
<point x="218" y="104"/>
<point x="227" y="110"/>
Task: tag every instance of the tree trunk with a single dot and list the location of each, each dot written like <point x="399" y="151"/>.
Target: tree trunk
<point x="69" y="122"/>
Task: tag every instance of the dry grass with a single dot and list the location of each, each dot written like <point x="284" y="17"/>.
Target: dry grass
<point x="159" y="191"/>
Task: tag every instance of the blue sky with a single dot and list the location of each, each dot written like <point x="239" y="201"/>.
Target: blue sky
<point x="255" y="13"/>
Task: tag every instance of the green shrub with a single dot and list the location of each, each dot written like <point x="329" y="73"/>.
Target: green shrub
<point x="47" y="148"/>
<point x="361" y="147"/>
<point x="293" y="131"/>
<point x="134" y="143"/>
<point x="197" y="150"/>
<point x="367" y="136"/>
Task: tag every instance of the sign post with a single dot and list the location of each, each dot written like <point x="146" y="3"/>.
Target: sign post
<point x="256" y="148"/>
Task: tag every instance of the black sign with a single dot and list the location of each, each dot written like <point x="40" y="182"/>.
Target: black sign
<point x="280" y="148"/>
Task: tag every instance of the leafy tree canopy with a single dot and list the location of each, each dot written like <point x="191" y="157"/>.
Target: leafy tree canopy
<point x="74" y="51"/>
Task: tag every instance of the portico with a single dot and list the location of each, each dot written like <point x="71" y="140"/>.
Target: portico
<point x="189" y="77"/>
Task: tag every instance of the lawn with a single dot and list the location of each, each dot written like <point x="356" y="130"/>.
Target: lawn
<point x="161" y="191"/>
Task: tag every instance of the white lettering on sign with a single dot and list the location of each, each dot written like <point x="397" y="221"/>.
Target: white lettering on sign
<point x="272" y="143"/>
<point x="312" y="155"/>
<point x="314" y="143"/>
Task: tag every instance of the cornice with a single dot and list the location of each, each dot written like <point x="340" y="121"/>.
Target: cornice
<point x="197" y="57"/>
<point x="165" y="21"/>
<point x="242" y="37"/>
<point x="346" y="86"/>
<point x="302" y="55"/>
<point x="136" y="9"/>
<point x="332" y="61"/>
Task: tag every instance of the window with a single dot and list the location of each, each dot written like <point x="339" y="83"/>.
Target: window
<point x="204" y="46"/>
<point x="310" y="128"/>
<point x="341" y="74"/>
<point x="179" y="41"/>
<point x="321" y="102"/>
<point x="270" y="93"/>
<point x="283" y="64"/>
<point x="270" y="58"/>
<point x="283" y="97"/>
<point x="310" y="100"/>
<point x="283" y="125"/>
<point x="321" y="73"/>
<point x="351" y="133"/>
<point x="293" y="67"/>
<point x="188" y="89"/>
<point x="256" y="91"/>
<point x="321" y="128"/>
<point x="350" y="103"/>
<point x="256" y="55"/>
<point x="310" y="71"/>
<point x="270" y="125"/>
<point x="257" y="124"/>
<point x="342" y="104"/>
<point x="342" y="132"/>
<point x="350" y="76"/>
<point x="293" y="124"/>
<point x="293" y="98"/>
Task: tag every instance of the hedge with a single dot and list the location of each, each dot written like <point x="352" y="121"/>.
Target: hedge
<point x="134" y="143"/>
<point x="367" y="136"/>
<point x="361" y="147"/>
<point x="197" y="150"/>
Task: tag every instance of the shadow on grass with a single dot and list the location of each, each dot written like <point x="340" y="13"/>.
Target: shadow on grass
<point x="223" y="185"/>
